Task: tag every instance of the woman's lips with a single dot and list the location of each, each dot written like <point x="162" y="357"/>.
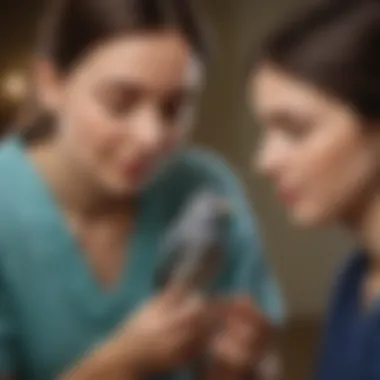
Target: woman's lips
<point x="136" y="169"/>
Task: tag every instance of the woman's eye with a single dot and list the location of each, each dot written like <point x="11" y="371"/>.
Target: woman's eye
<point x="118" y="100"/>
<point x="298" y="130"/>
<point x="177" y="108"/>
<point x="171" y="110"/>
<point x="119" y="105"/>
<point x="291" y="126"/>
<point x="116" y="107"/>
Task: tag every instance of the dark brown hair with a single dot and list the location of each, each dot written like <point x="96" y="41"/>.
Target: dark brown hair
<point x="335" y="45"/>
<point x="72" y="27"/>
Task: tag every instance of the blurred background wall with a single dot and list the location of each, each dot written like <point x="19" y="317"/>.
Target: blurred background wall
<point x="303" y="261"/>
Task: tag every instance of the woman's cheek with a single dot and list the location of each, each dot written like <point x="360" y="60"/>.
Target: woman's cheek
<point x="95" y="126"/>
<point x="172" y="141"/>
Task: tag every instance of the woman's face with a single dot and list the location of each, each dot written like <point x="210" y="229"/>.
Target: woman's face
<point x="125" y="107"/>
<point x="313" y="148"/>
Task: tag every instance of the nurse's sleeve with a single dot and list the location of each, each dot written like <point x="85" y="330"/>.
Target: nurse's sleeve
<point x="7" y="336"/>
<point x="248" y="269"/>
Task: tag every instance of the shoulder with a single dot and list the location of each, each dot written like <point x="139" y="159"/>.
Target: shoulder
<point x="8" y="152"/>
<point x="11" y="159"/>
<point x="12" y="173"/>
<point x="17" y="205"/>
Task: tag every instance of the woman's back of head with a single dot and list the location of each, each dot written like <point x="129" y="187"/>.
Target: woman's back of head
<point x="334" y="44"/>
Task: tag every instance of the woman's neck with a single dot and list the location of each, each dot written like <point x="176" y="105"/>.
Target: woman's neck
<point x="77" y="193"/>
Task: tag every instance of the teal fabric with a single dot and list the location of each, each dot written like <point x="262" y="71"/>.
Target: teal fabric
<point x="52" y="311"/>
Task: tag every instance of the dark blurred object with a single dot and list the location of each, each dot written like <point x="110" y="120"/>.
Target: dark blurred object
<point x="299" y="345"/>
<point x="193" y="246"/>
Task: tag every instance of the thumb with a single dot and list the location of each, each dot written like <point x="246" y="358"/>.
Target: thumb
<point x="175" y="293"/>
<point x="245" y="309"/>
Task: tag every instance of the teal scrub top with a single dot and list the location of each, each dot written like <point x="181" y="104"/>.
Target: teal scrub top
<point x="52" y="310"/>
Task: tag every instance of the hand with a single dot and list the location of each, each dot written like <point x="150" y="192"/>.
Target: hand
<point x="165" y="333"/>
<point x="242" y="342"/>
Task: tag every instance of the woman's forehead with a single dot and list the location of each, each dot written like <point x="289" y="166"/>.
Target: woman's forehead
<point x="155" y="59"/>
<point x="272" y="89"/>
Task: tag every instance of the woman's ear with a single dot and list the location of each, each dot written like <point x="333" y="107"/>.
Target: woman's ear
<point x="48" y="85"/>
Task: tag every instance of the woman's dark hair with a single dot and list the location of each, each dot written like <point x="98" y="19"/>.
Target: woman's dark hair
<point x="335" y="45"/>
<point x="72" y="27"/>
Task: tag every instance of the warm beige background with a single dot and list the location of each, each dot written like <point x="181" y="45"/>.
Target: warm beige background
<point x="304" y="261"/>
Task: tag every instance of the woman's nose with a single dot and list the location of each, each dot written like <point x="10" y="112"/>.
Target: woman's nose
<point x="149" y="129"/>
<point x="269" y="159"/>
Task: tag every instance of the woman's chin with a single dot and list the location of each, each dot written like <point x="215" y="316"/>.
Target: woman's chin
<point x="117" y="187"/>
<point x="308" y="220"/>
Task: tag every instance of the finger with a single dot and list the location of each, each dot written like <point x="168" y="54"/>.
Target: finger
<point x="253" y="336"/>
<point x="218" y="312"/>
<point x="243" y="310"/>
<point x="193" y="336"/>
<point x="248" y="336"/>
<point x="191" y="307"/>
<point x="232" y="353"/>
<point x="175" y="294"/>
<point x="244" y="333"/>
<point x="221" y="306"/>
<point x="245" y="307"/>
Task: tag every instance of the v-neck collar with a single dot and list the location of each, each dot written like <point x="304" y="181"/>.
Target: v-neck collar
<point x="135" y="281"/>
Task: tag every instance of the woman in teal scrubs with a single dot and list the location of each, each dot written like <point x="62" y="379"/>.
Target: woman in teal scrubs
<point x="90" y="186"/>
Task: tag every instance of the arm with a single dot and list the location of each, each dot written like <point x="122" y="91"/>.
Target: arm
<point x="105" y="363"/>
<point x="8" y="329"/>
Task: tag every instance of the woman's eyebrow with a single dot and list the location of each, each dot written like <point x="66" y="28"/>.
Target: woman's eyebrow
<point x="138" y="87"/>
